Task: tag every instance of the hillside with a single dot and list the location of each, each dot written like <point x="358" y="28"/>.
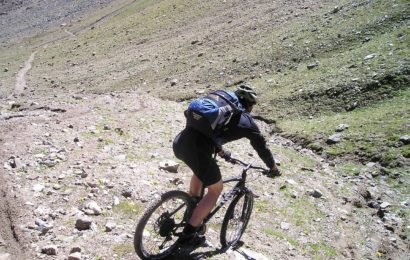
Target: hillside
<point x="92" y="93"/>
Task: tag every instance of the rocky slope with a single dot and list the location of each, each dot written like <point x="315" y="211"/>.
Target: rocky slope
<point x="83" y="170"/>
<point x="21" y="19"/>
<point x="80" y="161"/>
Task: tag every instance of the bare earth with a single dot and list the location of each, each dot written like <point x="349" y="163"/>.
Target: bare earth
<point x="105" y="144"/>
<point x="59" y="154"/>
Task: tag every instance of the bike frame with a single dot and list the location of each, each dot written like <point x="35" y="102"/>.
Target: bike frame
<point x="229" y="195"/>
<point x="239" y="188"/>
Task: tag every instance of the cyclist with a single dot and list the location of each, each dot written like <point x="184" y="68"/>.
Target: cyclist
<point x="197" y="150"/>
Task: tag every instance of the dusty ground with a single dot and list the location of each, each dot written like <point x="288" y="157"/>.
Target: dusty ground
<point x="59" y="156"/>
<point x="61" y="151"/>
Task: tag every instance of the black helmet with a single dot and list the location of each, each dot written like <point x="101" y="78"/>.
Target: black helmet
<point x="247" y="94"/>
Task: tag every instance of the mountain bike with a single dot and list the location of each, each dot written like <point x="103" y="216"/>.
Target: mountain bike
<point x="161" y="225"/>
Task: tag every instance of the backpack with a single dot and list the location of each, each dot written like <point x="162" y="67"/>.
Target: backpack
<point x="212" y="112"/>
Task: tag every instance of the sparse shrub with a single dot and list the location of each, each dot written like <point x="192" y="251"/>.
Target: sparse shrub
<point x="406" y="152"/>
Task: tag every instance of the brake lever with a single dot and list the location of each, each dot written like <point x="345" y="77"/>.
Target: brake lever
<point x="265" y="172"/>
<point x="230" y="160"/>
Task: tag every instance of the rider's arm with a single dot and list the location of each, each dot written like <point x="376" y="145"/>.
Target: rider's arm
<point x="246" y="127"/>
<point x="259" y="143"/>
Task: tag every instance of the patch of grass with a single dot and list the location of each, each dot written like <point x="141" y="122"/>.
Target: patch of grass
<point x="123" y="249"/>
<point x="129" y="209"/>
<point x="339" y="55"/>
<point x="262" y="206"/>
<point x="398" y="179"/>
<point x="108" y="141"/>
<point x="302" y="211"/>
<point x="295" y="159"/>
<point x="88" y="134"/>
<point x="405" y="151"/>
<point x="343" y="77"/>
<point x="285" y="190"/>
<point x="373" y="131"/>
<point x="280" y="235"/>
<point x="321" y="250"/>
<point x="349" y="168"/>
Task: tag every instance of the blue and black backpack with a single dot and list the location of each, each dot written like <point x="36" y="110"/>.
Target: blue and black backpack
<point x="212" y="112"/>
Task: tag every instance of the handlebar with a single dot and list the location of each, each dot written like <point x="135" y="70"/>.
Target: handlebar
<point x="268" y="172"/>
<point x="227" y="156"/>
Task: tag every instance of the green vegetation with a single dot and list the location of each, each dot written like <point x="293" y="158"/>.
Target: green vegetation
<point x="321" y="250"/>
<point x="302" y="211"/>
<point x="350" y="168"/>
<point x="262" y="206"/>
<point x="373" y="132"/>
<point x="280" y="235"/>
<point x="294" y="159"/>
<point x="315" y="68"/>
<point x="339" y="44"/>
<point x="123" y="249"/>
<point x="359" y="50"/>
<point x="129" y="209"/>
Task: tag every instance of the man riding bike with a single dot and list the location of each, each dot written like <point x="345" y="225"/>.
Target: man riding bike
<point x="197" y="149"/>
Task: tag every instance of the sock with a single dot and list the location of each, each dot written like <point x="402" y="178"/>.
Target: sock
<point x="189" y="229"/>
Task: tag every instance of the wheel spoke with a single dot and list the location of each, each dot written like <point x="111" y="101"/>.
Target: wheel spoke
<point x="236" y="219"/>
<point x="156" y="233"/>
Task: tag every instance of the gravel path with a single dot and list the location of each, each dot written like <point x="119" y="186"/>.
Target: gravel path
<point x="21" y="75"/>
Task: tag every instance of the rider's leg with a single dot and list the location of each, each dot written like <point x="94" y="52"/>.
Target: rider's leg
<point x="195" y="186"/>
<point x="206" y="204"/>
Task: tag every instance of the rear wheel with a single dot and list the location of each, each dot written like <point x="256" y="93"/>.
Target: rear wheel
<point x="236" y="219"/>
<point x="159" y="228"/>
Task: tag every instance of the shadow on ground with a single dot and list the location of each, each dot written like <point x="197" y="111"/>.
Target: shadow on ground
<point x="207" y="252"/>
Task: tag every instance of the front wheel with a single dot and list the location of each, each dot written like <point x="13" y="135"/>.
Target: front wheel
<point x="159" y="228"/>
<point x="236" y="219"/>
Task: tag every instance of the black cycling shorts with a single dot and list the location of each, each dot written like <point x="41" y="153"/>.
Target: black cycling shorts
<point x="197" y="150"/>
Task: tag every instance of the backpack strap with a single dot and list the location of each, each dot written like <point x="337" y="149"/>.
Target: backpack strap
<point x="223" y="110"/>
<point x="234" y="107"/>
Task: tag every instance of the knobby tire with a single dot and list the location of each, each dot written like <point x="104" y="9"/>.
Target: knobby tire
<point x="169" y="243"/>
<point x="236" y="219"/>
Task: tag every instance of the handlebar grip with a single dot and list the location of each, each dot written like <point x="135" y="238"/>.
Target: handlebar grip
<point x="227" y="155"/>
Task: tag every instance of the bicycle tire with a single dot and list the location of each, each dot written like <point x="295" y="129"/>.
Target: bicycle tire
<point x="164" y="225"/>
<point x="238" y="215"/>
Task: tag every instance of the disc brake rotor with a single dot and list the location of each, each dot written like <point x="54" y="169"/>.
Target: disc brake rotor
<point x="166" y="225"/>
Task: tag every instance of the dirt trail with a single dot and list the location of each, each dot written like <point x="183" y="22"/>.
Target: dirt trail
<point x="21" y="83"/>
